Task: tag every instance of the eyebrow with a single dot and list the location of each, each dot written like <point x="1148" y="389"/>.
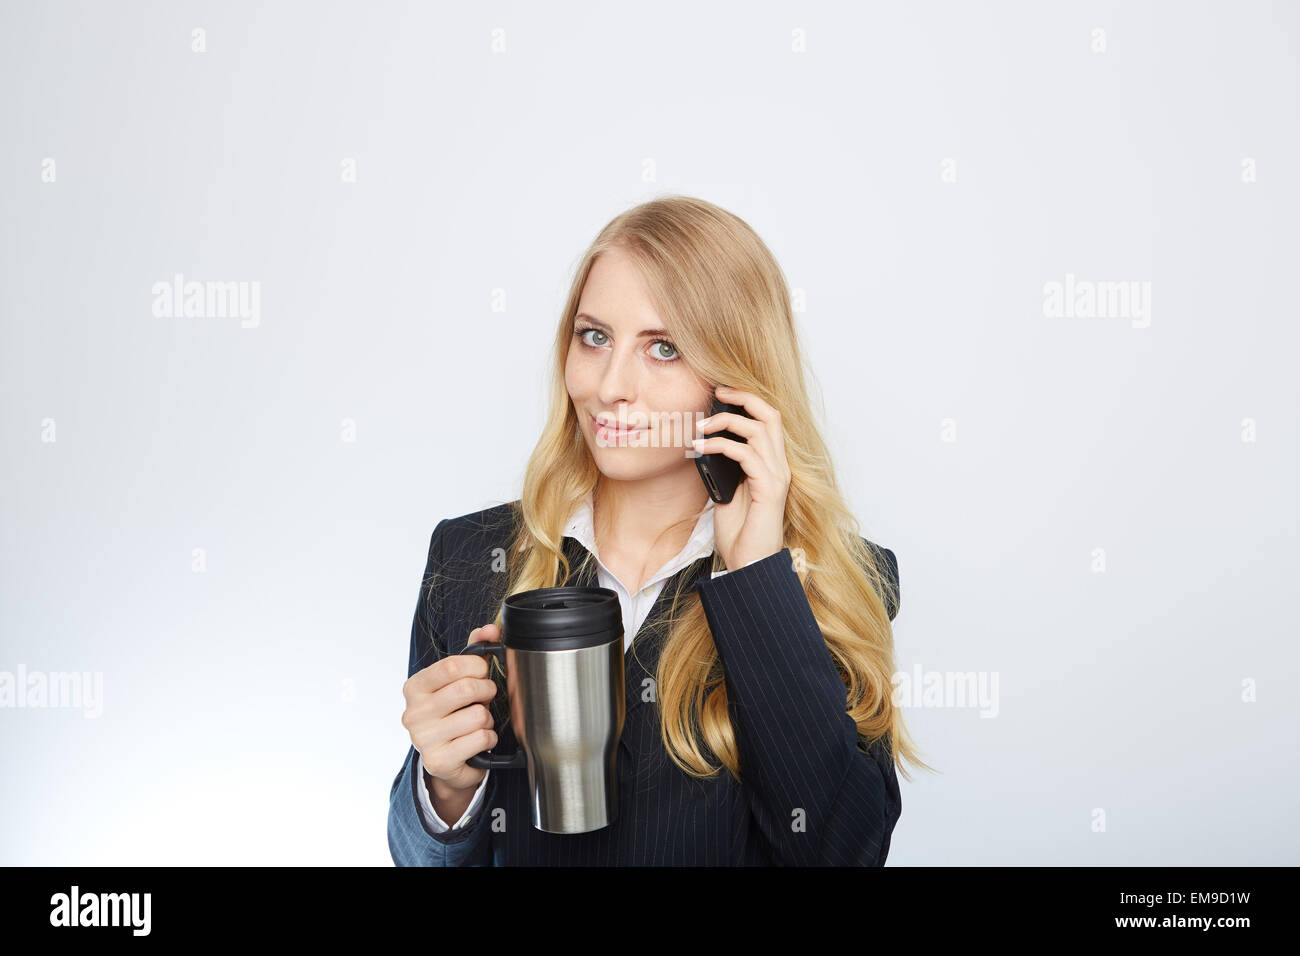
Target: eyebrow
<point x="603" y="326"/>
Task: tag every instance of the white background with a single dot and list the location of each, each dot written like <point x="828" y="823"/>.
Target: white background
<point x="251" y="713"/>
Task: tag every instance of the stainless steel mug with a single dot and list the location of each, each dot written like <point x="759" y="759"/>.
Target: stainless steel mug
<point x="562" y="651"/>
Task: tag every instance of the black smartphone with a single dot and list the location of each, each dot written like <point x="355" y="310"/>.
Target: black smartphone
<point x="719" y="473"/>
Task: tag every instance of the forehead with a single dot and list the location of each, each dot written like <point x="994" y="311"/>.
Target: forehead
<point x="616" y="293"/>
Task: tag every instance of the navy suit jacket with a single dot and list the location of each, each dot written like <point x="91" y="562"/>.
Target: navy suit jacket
<point x="810" y="794"/>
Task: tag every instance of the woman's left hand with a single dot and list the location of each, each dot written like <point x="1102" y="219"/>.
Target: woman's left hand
<point x="750" y="526"/>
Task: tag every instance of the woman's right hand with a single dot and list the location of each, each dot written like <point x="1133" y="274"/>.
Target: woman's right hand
<point x="447" y="715"/>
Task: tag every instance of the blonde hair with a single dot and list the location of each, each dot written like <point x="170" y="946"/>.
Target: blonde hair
<point x="724" y="298"/>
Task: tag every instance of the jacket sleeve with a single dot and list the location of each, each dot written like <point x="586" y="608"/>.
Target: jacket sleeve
<point x="410" y="841"/>
<point x="816" y="798"/>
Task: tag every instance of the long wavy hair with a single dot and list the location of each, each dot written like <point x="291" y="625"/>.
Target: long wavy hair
<point x="721" y="294"/>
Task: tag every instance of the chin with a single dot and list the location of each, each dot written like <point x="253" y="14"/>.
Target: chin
<point x="621" y="470"/>
<point x="617" y="465"/>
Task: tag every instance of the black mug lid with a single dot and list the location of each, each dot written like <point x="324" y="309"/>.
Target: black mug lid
<point x="561" y="619"/>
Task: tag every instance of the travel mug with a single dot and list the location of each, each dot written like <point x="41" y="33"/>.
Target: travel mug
<point x="562" y="651"/>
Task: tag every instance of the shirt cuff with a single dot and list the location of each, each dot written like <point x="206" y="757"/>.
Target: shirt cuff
<point x="435" y="822"/>
<point x="718" y="574"/>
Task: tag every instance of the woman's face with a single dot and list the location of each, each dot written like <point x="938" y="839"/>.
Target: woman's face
<point x="622" y="367"/>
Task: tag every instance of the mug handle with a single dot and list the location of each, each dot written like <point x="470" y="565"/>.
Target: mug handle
<point x="487" y="760"/>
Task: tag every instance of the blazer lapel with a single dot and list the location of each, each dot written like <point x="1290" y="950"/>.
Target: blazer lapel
<point x="687" y="577"/>
<point x="641" y="658"/>
<point x="575" y="552"/>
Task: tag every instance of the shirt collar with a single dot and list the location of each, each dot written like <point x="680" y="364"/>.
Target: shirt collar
<point x="700" y="544"/>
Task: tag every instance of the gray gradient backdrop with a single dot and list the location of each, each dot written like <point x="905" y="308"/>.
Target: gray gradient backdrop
<point x="250" y="709"/>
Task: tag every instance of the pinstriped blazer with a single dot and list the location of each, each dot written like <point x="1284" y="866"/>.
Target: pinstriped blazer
<point x="810" y="793"/>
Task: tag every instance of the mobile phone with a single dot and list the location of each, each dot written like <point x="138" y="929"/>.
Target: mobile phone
<point x="719" y="473"/>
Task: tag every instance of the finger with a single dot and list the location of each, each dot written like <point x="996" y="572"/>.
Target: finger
<point x="731" y="422"/>
<point x="770" y="433"/>
<point x="456" y="752"/>
<point x="467" y="720"/>
<point x="461" y="694"/>
<point x="747" y="455"/>
<point x="446" y="758"/>
<point x="440" y="728"/>
<point x="750" y="402"/>
<point x="442" y="672"/>
<point x="756" y="433"/>
<point x="488" y="632"/>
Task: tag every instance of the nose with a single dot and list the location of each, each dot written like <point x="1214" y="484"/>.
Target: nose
<point x="618" y="383"/>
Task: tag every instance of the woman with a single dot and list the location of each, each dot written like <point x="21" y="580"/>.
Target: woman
<point x="760" y="726"/>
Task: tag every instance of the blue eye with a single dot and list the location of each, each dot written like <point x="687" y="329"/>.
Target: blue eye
<point x="581" y="332"/>
<point x="670" y="345"/>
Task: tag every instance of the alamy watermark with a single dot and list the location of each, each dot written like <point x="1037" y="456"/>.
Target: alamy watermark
<point x="922" y="688"/>
<point x="208" y="300"/>
<point x="76" y="908"/>
<point x="55" y="689"/>
<point x="1098" y="299"/>
<point x="652" y="430"/>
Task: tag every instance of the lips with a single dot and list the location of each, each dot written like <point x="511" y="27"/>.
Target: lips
<point x="612" y="432"/>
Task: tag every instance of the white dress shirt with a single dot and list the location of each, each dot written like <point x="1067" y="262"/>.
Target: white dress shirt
<point x="635" y="609"/>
